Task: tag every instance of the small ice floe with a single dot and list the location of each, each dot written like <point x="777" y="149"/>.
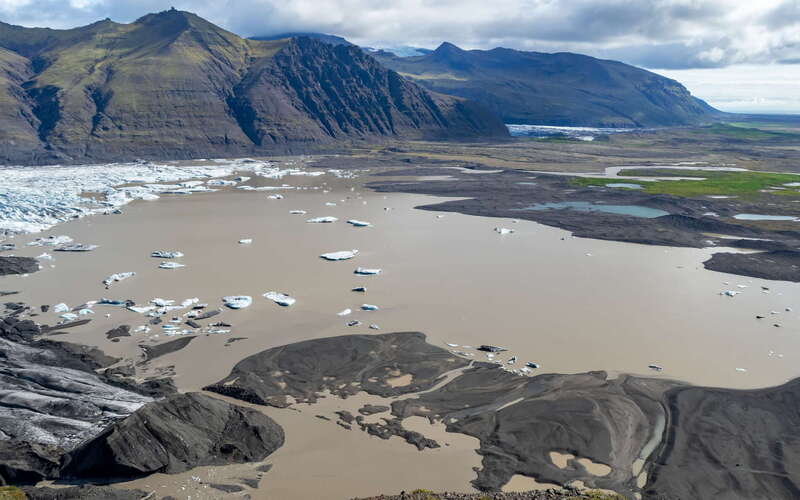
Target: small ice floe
<point x="532" y="365"/>
<point x="374" y="327"/>
<point x="361" y="289"/>
<point x="85" y="311"/>
<point x="7" y="247"/>
<point x="51" y="241"/>
<point x="246" y="241"/>
<point x="365" y="271"/>
<point x="490" y="355"/>
<point x="297" y="212"/>
<point x="159" y="302"/>
<point x="741" y="370"/>
<point x="69" y="316"/>
<point x="78" y="247"/>
<point x="275" y="197"/>
<point x="503" y="230"/>
<point x="656" y="368"/>
<point x="241" y="178"/>
<point x="730" y="293"/>
<point x="166" y="254"/>
<point x="45" y="256"/>
<point x="741" y="286"/>
<point x="354" y="322"/>
<point x="322" y="220"/>
<point x="491" y="348"/>
<point x="344" y="313"/>
<point x="112" y="302"/>
<point x="281" y="299"/>
<point x="369" y="307"/>
<point x="448" y="344"/>
<point x="330" y="204"/>
<point x="511" y="360"/>
<point x="788" y="309"/>
<point x="340" y="255"/>
<point x="440" y="216"/>
<point x="359" y="223"/>
<point x="60" y="308"/>
<point x="171" y="265"/>
<point x="237" y="301"/>
<point x="221" y="182"/>
<point x="190" y="302"/>
<point x="118" y="277"/>
<point x="141" y="309"/>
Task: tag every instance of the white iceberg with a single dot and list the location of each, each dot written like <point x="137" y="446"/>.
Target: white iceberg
<point x="322" y="220"/>
<point x="237" y="301"/>
<point x="503" y="230"/>
<point x="60" y="308"/>
<point x="78" y="247"/>
<point x="171" y="265"/>
<point x="69" y="316"/>
<point x="275" y="197"/>
<point x="281" y="299"/>
<point x="369" y="307"/>
<point x="162" y="302"/>
<point x="330" y="204"/>
<point x="166" y="254"/>
<point x="118" y="277"/>
<point x="141" y="309"/>
<point x="245" y="241"/>
<point x="367" y="271"/>
<point x="45" y="256"/>
<point x="297" y="212"/>
<point x="345" y="312"/>
<point x="50" y="241"/>
<point x="359" y="223"/>
<point x="340" y="255"/>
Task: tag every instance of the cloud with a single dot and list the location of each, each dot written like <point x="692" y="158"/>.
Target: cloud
<point x="652" y="33"/>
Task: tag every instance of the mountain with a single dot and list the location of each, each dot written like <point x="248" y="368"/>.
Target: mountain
<point x="172" y="85"/>
<point x="322" y="37"/>
<point x="554" y="89"/>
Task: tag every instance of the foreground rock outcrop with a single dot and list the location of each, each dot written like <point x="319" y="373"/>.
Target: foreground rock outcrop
<point x="174" y="435"/>
<point x="18" y="265"/>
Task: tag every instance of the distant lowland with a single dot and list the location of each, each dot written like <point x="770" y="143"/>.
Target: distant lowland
<point x="173" y="85"/>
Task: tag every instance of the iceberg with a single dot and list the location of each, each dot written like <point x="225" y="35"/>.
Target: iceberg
<point x="141" y="309"/>
<point x="246" y="241"/>
<point x="171" y="265"/>
<point x="118" y="277"/>
<point x="275" y="197"/>
<point x="297" y="212"/>
<point x="322" y="220"/>
<point x="69" y="316"/>
<point x="51" y="241"/>
<point x="237" y="301"/>
<point x="45" y="256"/>
<point x="345" y="312"/>
<point x="60" y="308"/>
<point x="281" y="299"/>
<point x="369" y="307"/>
<point x="364" y="271"/>
<point x="164" y="254"/>
<point x="78" y="247"/>
<point x="503" y="230"/>
<point x="112" y="302"/>
<point x="359" y="223"/>
<point x="340" y="255"/>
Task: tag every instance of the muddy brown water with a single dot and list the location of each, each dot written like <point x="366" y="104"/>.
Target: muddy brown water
<point x="569" y="304"/>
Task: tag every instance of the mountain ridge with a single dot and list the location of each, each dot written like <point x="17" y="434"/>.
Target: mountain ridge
<point x="173" y="85"/>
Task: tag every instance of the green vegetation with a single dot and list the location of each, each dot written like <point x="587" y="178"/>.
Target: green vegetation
<point x="12" y="493"/>
<point x="742" y="131"/>
<point x="708" y="183"/>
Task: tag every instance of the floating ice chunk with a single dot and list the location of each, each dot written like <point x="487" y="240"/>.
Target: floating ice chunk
<point x="275" y="197"/>
<point x="5" y="247"/>
<point x="297" y="212"/>
<point x="655" y="367"/>
<point x="330" y="204"/>
<point x="355" y="322"/>
<point x="190" y="302"/>
<point x="344" y="313"/>
<point x="531" y="364"/>
<point x="162" y="302"/>
<point x="85" y="311"/>
<point x="359" y="289"/>
<point x="76" y="248"/>
<point x="451" y="345"/>
<point x="503" y="230"/>
<point x="730" y="293"/>
<point x="280" y="298"/>
<point x="369" y="307"/>
<point x="365" y="271"/>
<point x="171" y="265"/>
<point x="440" y="216"/>
<point x="45" y="256"/>
<point x="50" y="241"/>
<point x="118" y="277"/>
<point x="511" y="360"/>
<point x="221" y="182"/>
<point x="69" y="316"/>
<point x="741" y="370"/>
<point x="491" y="348"/>
<point x="322" y="220"/>
<point x="359" y="223"/>
<point x="245" y="241"/>
<point x="141" y="309"/>
<point x="60" y="308"/>
<point x="167" y="254"/>
<point x="237" y="301"/>
<point x="374" y="327"/>
<point x="112" y="302"/>
<point x="340" y="255"/>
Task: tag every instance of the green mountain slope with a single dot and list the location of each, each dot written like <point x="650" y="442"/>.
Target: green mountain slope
<point x="172" y="85"/>
<point x="554" y="89"/>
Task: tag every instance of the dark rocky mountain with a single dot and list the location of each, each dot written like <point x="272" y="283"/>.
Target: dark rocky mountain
<point x="322" y="37"/>
<point x="172" y="85"/>
<point x="554" y="89"/>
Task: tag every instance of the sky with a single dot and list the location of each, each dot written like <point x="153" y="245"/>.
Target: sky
<point x="739" y="55"/>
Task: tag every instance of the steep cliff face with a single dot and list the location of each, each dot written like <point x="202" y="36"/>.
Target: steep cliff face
<point x="172" y="85"/>
<point x="554" y="89"/>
